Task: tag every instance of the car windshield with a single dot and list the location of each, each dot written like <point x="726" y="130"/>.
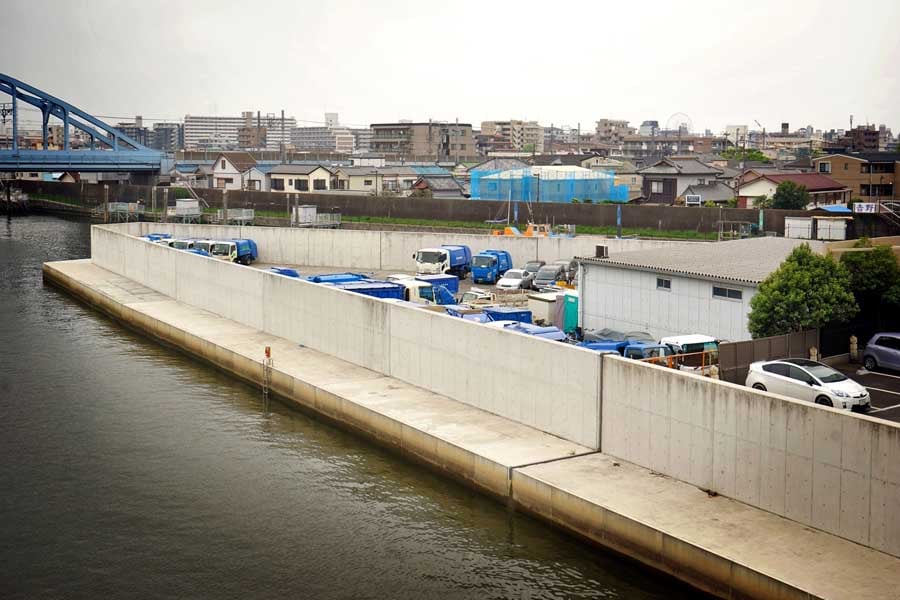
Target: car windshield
<point x="826" y="374"/>
<point x="547" y="272"/>
<point x="221" y="249"/>
<point x="180" y="245"/>
<point x="533" y="267"/>
<point x="513" y="275"/>
<point x="429" y="257"/>
<point x="483" y="261"/>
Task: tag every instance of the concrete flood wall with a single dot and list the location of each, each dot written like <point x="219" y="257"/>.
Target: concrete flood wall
<point x="509" y="374"/>
<point x="391" y="250"/>
<point x="835" y="472"/>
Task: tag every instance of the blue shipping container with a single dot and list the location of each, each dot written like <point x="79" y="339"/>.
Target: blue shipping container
<point x="508" y="313"/>
<point x="376" y="289"/>
<point x="336" y="278"/>
<point x="451" y="282"/>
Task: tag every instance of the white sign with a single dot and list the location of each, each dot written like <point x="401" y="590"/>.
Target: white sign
<point x="865" y="207"/>
<point x="691" y="199"/>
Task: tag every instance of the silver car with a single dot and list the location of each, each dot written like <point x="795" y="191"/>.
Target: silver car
<point x="883" y="350"/>
<point x="808" y="380"/>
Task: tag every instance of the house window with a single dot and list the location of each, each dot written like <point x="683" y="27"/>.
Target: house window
<point x="278" y="185"/>
<point x="367" y="182"/>
<point x="730" y="293"/>
<point x="846" y="166"/>
<point x="656" y="187"/>
<point x="824" y="167"/>
<point x="301" y="185"/>
<point x="663" y="284"/>
<point x="320" y="184"/>
<point x="291" y="182"/>
<point x="222" y="166"/>
<point x="701" y="181"/>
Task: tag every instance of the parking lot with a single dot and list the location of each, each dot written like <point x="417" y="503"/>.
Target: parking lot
<point x="884" y="387"/>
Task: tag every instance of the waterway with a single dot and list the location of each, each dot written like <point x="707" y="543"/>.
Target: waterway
<point x="128" y="470"/>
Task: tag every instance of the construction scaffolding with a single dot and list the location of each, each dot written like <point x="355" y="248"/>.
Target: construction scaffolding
<point x="547" y="184"/>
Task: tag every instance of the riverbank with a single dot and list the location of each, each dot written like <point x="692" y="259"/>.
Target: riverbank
<point x="717" y="544"/>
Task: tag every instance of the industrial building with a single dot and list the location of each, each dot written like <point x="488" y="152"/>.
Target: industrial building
<point x="681" y="290"/>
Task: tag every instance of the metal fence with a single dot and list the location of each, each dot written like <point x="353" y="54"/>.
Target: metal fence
<point x="735" y="357"/>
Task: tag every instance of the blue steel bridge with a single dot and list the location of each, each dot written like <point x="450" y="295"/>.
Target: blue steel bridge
<point x="109" y="149"/>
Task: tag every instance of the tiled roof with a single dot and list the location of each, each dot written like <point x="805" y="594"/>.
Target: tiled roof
<point x="679" y="166"/>
<point x="715" y="191"/>
<point x="292" y="169"/>
<point x="241" y="160"/>
<point x="814" y="182"/>
<point x="747" y="261"/>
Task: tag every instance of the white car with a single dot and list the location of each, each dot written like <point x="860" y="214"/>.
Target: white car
<point x="808" y="380"/>
<point x="515" y="279"/>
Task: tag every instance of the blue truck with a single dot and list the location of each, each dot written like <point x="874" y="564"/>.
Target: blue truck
<point x="336" y="278"/>
<point x="455" y="260"/>
<point x="490" y="265"/>
<point x="451" y="282"/>
<point x="239" y="251"/>
<point x="637" y="350"/>
<point x="376" y="289"/>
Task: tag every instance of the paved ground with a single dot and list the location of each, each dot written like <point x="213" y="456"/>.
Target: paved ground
<point x="883" y="385"/>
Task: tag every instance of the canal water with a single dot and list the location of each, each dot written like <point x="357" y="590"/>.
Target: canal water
<point x="130" y="471"/>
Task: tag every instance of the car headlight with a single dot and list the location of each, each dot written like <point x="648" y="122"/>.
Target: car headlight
<point x="841" y="394"/>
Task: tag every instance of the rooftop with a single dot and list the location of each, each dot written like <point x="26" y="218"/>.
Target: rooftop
<point x="294" y="169"/>
<point x="814" y="182"/>
<point x="714" y="191"/>
<point x="241" y="160"/>
<point x="679" y="166"/>
<point x="747" y="261"/>
<point x="882" y="157"/>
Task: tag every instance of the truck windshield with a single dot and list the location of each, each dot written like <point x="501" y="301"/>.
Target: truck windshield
<point x="221" y="249"/>
<point x="202" y="246"/>
<point x="429" y="256"/>
<point x="484" y="261"/>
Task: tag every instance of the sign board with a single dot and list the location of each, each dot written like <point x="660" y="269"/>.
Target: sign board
<point x="693" y="200"/>
<point x="865" y="207"/>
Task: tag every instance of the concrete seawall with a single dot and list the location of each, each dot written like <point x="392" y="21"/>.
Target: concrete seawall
<point x="722" y="546"/>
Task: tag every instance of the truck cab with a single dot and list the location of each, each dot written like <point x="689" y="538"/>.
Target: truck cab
<point x="456" y="260"/>
<point x="422" y="292"/>
<point x="239" y="251"/>
<point x="490" y="265"/>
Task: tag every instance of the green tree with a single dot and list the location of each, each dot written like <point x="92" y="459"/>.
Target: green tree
<point x="874" y="276"/>
<point x="790" y="196"/>
<point x="751" y="154"/>
<point x="805" y="292"/>
<point x="762" y="202"/>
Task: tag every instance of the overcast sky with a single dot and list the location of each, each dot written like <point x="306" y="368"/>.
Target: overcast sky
<point x="805" y="62"/>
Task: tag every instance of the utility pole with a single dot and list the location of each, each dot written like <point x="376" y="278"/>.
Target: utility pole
<point x="282" y="135"/>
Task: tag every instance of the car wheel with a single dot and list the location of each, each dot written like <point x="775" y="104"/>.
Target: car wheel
<point x="824" y="401"/>
<point x="759" y="386"/>
<point x="869" y="363"/>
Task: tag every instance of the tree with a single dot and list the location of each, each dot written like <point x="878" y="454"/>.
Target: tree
<point x="874" y="276"/>
<point x="790" y="196"/>
<point x="762" y="202"/>
<point x="751" y="154"/>
<point x="805" y="292"/>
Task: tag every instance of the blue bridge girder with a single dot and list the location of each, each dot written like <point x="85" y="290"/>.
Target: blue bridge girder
<point x="121" y="152"/>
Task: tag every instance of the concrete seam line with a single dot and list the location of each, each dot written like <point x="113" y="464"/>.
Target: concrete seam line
<point x="550" y="460"/>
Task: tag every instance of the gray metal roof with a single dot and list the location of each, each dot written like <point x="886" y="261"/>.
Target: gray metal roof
<point x="679" y="166"/>
<point x="746" y="262"/>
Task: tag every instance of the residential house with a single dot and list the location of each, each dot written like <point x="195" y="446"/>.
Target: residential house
<point x="231" y="170"/>
<point x="718" y="192"/>
<point x="359" y="179"/>
<point x="667" y="179"/>
<point x="294" y="178"/>
<point x="398" y="180"/>
<point x="871" y="176"/>
<point x="822" y="189"/>
<point x="681" y="290"/>
<point x="439" y="187"/>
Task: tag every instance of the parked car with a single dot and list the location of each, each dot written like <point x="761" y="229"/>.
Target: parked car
<point x="883" y="350"/>
<point x="549" y="275"/>
<point x="571" y="267"/>
<point x="808" y="380"/>
<point x="516" y="279"/>
<point x="532" y="266"/>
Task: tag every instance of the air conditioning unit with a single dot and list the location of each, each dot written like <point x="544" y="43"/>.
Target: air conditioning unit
<point x="601" y="252"/>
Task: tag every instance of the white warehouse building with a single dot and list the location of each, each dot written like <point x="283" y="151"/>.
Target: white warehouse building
<point x="702" y="288"/>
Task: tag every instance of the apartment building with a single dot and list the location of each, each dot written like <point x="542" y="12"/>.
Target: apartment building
<point x="136" y="130"/>
<point x="870" y="176"/>
<point x="513" y="135"/>
<point x="222" y="132"/>
<point x="406" y="140"/>
<point x="612" y="131"/>
<point x="167" y="137"/>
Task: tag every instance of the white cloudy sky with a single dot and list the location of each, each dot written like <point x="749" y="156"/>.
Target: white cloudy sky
<point x="801" y="61"/>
